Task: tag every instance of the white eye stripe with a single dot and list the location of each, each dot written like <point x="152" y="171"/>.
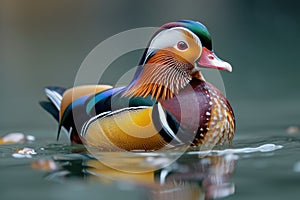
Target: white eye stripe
<point x="167" y="38"/>
<point x="170" y="38"/>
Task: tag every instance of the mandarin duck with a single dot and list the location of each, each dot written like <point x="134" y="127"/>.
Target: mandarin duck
<point x="167" y="103"/>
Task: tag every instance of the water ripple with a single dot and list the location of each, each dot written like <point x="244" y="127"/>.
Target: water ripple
<point x="262" y="148"/>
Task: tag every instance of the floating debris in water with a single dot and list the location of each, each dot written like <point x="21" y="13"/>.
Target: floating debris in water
<point x="292" y="130"/>
<point x="12" y="138"/>
<point x="30" y="138"/>
<point x="16" y="138"/>
<point x="44" y="165"/>
<point x="24" y="153"/>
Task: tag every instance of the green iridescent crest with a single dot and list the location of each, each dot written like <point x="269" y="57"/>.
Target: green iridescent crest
<point x="200" y="30"/>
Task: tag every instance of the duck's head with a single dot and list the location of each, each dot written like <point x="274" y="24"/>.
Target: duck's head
<point x="174" y="56"/>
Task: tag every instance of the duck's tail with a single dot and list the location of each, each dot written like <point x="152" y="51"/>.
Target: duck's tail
<point x="54" y="95"/>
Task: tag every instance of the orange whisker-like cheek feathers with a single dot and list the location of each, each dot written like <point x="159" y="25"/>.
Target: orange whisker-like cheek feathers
<point x="162" y="77"/>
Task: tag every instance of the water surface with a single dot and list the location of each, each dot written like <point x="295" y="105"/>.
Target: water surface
<point x="251" y="168"/>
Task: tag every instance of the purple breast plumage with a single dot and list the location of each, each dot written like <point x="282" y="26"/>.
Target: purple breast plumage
<point x="203" y="112"/>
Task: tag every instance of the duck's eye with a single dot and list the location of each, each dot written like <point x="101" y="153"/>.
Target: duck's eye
<point x="181" y="45"/>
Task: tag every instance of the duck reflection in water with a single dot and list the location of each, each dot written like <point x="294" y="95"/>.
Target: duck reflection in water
<point x="189" y="177"/>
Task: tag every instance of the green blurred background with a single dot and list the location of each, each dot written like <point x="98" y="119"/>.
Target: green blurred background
<point x="43" y="43"/>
